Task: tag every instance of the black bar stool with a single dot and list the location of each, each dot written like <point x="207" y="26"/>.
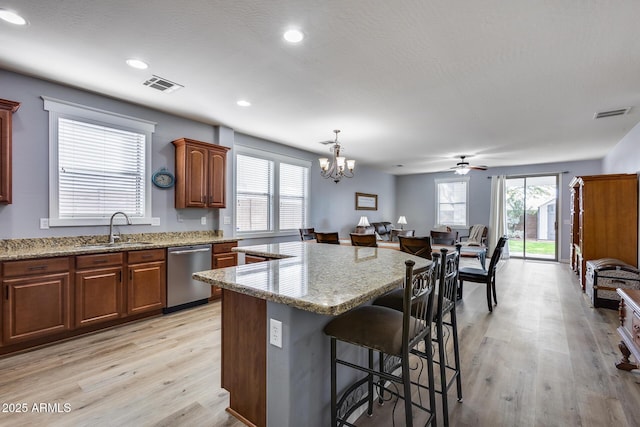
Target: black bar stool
<point x="446" y="304"/>
<point x="392" y="333"/>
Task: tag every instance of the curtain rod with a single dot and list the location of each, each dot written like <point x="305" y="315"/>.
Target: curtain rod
<point x="531" y="174"/>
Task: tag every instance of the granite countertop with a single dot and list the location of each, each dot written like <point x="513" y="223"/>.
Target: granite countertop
<point x="17" y="249"/>
<point x="320" y="278"/>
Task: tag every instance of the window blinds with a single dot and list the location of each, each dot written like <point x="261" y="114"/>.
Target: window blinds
<point x="101" y="170"/>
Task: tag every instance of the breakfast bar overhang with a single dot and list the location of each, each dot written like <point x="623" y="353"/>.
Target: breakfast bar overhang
<point x="303" y="286"/>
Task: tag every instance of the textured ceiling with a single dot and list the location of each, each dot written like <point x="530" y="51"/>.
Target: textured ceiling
<point x="410" y="82"/>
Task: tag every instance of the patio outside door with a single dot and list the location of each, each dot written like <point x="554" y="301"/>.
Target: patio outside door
<point x="532" y="216"/>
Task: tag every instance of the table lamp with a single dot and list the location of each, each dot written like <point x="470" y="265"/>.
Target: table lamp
<point x="402" y="221"/>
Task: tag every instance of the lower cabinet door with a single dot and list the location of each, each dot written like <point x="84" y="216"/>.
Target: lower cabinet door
<point x="147" y="287"/>
<point x="98" y="295"/>
<point x="35" y="307"/>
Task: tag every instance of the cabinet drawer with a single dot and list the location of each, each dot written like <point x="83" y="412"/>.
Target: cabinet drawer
<point x="148" y="255"/>
<point x="36" y="266"/>
<point x="99" y="260"/>
<point x="219" y="248"/>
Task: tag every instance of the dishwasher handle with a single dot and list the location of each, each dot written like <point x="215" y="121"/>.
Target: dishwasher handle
<point x="190" y="251"/>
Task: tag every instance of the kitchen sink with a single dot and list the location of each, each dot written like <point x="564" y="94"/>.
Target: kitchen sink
<point x="113" y="245"/>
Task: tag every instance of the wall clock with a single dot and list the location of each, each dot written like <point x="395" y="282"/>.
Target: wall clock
<point x="163" y="179"/>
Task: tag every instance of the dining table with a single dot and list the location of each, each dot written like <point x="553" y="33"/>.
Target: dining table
<point x="479" y="252"/>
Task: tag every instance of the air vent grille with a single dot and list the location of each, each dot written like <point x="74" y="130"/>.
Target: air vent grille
<point x="162" y="84"/>
<point x="611" y="113"/>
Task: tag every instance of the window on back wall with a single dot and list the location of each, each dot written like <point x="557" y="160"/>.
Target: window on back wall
<point x="98" y="165"/>
<point x="271" y="192"/>
<point x="452" y="202"/>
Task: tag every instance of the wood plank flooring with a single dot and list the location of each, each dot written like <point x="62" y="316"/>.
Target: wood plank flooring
<point x="543" y="358"/>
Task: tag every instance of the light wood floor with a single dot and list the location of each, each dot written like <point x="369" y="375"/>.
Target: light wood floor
<point x="543" y="358"/>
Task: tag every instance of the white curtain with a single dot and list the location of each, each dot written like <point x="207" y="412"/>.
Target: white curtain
<point x="498" y="214"/>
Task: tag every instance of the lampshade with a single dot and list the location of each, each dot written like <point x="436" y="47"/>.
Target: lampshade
<point x="364" y="222"/>
<point x="462" y="171"/>
<point x="402" y="221"/>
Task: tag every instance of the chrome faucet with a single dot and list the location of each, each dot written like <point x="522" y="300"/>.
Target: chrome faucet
<point x="113" y="237"/>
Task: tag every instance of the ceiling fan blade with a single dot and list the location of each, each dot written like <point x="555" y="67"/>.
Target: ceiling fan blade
<point x="478" y="168"/>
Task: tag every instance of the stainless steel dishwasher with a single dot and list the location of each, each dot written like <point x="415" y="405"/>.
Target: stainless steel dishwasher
<point x="182" y="290"/>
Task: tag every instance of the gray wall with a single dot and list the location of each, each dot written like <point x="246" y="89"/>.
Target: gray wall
<point x="332" y="205"/>
<point x="625" y="156"/>
<point x="31" y="160"/>
<point x="415" y="195"/>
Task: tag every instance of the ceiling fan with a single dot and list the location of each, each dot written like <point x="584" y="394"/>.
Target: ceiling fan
<point x="463" y="167"/>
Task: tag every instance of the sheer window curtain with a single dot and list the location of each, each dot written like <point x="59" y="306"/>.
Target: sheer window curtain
<point x="498" y="214"/>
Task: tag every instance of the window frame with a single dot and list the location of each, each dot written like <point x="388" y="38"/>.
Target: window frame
<point x="274" y="208"/>
<point x="439" y="181"/>
<point x="81" y="113"/>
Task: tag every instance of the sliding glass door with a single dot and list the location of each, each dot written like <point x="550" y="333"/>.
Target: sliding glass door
<point x="532" y="216"/>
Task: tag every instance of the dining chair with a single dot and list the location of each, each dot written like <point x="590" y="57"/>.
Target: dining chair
<point x="331" y="238"/>
<point x="368" y="240"/>
<point x="444" y="237"/>
<point x="419" y="246"/>
<point x="307" y="233"/>
<point x="488" y="276"/>
<point x="394" y="334"/>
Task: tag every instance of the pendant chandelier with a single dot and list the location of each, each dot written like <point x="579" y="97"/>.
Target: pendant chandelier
<point x="339" y="167"/>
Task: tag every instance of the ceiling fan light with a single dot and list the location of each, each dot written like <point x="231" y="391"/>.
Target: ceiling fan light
<point x="462" y="171"/>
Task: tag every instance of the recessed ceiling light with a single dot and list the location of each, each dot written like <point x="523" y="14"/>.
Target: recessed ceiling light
<point x="243" y="103"/>
<point x="12" y="17"/>
<point x="293" y="36"/>
<point x="136" y="63"/>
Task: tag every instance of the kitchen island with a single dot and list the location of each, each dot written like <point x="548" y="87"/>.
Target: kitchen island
<point x="303" y="286"/>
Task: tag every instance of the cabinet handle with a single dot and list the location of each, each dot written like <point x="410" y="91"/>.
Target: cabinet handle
<point x="37" y="267"/>
<point x="100" y="261"/>
<point x="120" y="276"/>
<point x="6" y="292"/>
<point x="130" y="275"/>
<point x="210" y="199"/>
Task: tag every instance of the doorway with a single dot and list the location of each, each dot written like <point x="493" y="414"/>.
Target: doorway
<point x="532" y="216"/>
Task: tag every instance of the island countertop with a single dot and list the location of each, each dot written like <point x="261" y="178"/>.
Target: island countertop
<point x="320" y="278"/>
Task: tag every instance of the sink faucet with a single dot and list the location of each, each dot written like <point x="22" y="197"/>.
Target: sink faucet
<point x="113" y="237"/>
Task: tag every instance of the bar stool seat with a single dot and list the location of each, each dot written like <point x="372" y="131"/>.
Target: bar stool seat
<point x="391" y="333"/>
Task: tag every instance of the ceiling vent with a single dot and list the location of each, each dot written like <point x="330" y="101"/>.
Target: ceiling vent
<point x="611" y="113"/>
<point x="162" y="84"/>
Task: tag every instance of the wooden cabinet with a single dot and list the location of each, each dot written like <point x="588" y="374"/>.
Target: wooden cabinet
<point x="7" y="108"/>
<point x="37" y="299"/>
<point x="604" y="219"/>
<point x="222" y="256"/>
<point x="201" y="171"/>
<point x="147" y="281"/>
<point x="252" y="259"/>
<point x="98" y="288"/>
<point x="629" y="328"/>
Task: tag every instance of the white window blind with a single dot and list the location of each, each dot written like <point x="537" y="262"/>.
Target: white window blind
<point x="293" y="196"/>
<point x="99" y="163"/>
<point x="452" y="202"/>
<point x="272" y="192"/>
<point x="101" y="170"/>
<point x="254" y="193"/>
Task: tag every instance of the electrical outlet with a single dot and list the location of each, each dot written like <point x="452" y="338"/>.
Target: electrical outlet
<point x="44" y="223"/>
<point x="227" y="220"/>
<point x="275" y="334"/>
<point x="203" y="220"/>
<point x="155" y="222"/>
<point x="180" y="219"/>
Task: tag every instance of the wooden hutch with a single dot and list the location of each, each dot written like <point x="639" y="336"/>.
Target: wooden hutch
<point x="604" y="220"/>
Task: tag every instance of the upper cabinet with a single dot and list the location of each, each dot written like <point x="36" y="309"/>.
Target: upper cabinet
<point x="201" y="171"/>
<point x="7" y="108"/>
